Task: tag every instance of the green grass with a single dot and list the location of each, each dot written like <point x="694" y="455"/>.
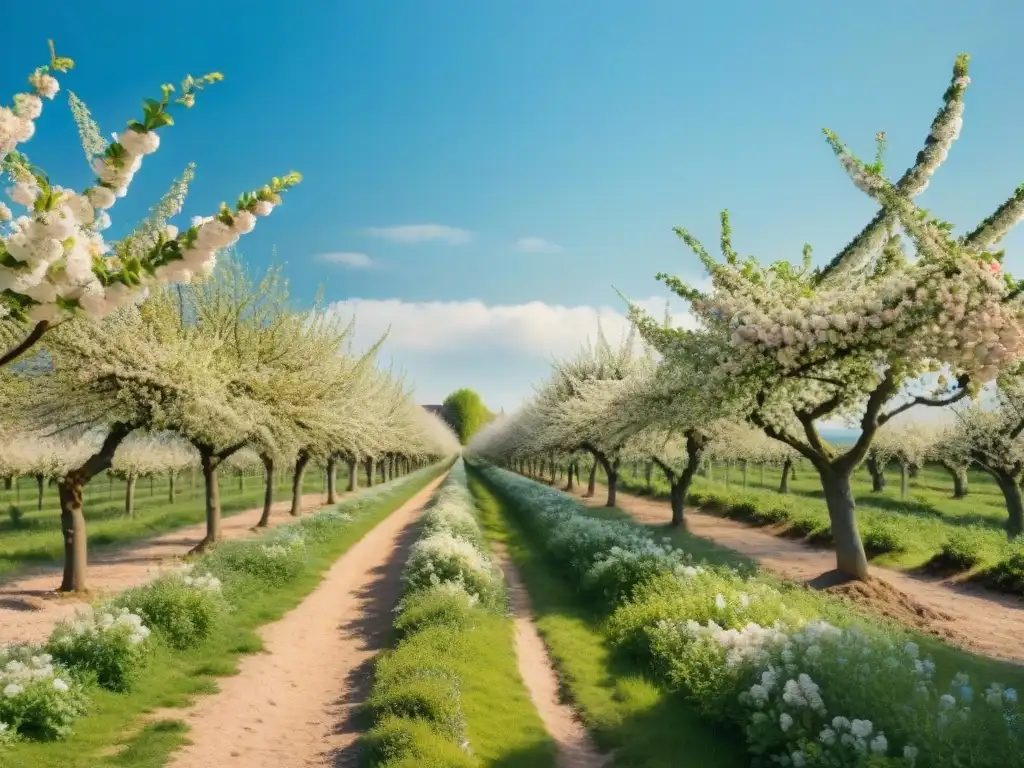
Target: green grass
<point x="627" y="712"/>
<point x="172" y="679"/>
<point x="503" y="727"/>
<point x="922" y="522"/>
<point x="35" y="541"/>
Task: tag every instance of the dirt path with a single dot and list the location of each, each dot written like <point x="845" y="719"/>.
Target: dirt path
<point x="978" y="620"/>
<point x="293" y="706"/>
<point x="29" y="606"/>
<point x="575" y="747"/>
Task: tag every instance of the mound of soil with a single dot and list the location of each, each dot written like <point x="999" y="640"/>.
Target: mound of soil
<point x="880" y="597"/>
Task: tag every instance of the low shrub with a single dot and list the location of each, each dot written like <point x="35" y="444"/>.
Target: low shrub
<point x="17" y="515"/>
<point x="441" y="605"/>
<point x="39" y="697"/>
<point x="960" y="550"/>
<point x="882" y="536"/>
<point x="273" y="559"/>
<point x="1008" y="573"/>
<point x="402" y="742"/>
<point x="106" y="642"/>
<point x="182" y="606"/>
<point x="771" y="514"/>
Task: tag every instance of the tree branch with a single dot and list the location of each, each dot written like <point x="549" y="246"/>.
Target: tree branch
<point x="26" y="344"/>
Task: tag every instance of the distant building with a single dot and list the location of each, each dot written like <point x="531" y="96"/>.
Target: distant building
<point x="432" y="408"/>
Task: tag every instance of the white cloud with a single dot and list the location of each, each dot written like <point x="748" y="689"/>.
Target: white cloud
<point x="499" y="350"/>
<point x="537" y="245"/>
<point x="348" y="259"/>
<point x="535" y="329"/>
<point x="419" y="233"/>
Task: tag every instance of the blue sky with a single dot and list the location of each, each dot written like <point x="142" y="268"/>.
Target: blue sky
<point x="582" y="131"/>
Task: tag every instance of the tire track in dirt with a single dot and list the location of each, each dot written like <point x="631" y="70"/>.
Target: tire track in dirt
<point x="575" y="747"/>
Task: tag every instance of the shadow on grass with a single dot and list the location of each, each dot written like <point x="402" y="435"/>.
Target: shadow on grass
<point x="628" y="714"/>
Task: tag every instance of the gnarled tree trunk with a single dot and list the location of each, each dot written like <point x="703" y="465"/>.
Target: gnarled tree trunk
<point x="959" y="475"/>
<point x="211" y="496"/>
<point x="70" y="489"/>
<point x="369" y="472"/>
<point x="129" y="495"/>
<point x="787" y="472"/>
<point x="40" y="485"/>
<point x="592" y="481"/>
<point x="353" y="474"/>
<point x="877" y="473"/>
<point x="850" y="556"/>
<point x="332" y="463"/>
<point x="171" y="477"/>
<point x="268" y="490"/>
<point x="1008" y="484"/>
<point x="72" y="524"/>
<point x="300" y="471"/>
<point x="569" y="486"/>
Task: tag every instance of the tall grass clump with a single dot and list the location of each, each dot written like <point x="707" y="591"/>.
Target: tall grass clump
<point x="804" y="683"/>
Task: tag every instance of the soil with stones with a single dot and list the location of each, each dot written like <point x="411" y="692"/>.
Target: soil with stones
<point x="30" y="606"/>
<point x="980" y="621"/>
<point x="295" y="704"/>
<point x="575" y="747"/>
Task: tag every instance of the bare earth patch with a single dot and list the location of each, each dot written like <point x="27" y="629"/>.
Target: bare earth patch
<point x="575" y="747"/>
<point x="29" y="606"/>
<point x="980" y="621"/>
<point x="293" y="705"/>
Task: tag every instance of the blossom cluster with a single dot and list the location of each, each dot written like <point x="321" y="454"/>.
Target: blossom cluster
<point x="39" y="697"/>
<point x="54" y="259"/>
<point x="806" y="691"/>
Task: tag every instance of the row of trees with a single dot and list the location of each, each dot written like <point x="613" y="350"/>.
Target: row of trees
<point x="906" y="316"/>
<point x="154" y="338"/>
<point x="217" y="373"/>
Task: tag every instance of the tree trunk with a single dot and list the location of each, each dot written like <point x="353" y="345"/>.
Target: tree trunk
<point x="170" y="487"/>
<point x="1014" y="502"/>
<point x="592" y="481"/>
<point x="903" y="480"/>
<point x="129" y="496"/>
<point x="744" y="466"/>
<point x="649" y="476"/>
<point x="268" y="491"/>
<point x="300" y="470"/>
<point x="331" y="471"/>
<point x="959" y="475"/>
<point x="877" y="474"/>
<point x="72" y="523"/>
<point x="851" y="559"/>
<point x="553" y="478"/>
<point x="152" y="487"/>
<point x="569" y="486"/>
<point x="787" y="471"/>
<point x="369" y="472"/>
<point x="353" y="475"/>
<point x="762" y="474"/>
<point x="241" y="481"/>
<point x="211" y="497"/>
<point x="40" y="484"/>
<point x="8" y="483"/>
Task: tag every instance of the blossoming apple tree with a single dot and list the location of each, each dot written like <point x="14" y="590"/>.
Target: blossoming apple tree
<point x="54" y="260"/>
<point x="855" y="340"/>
